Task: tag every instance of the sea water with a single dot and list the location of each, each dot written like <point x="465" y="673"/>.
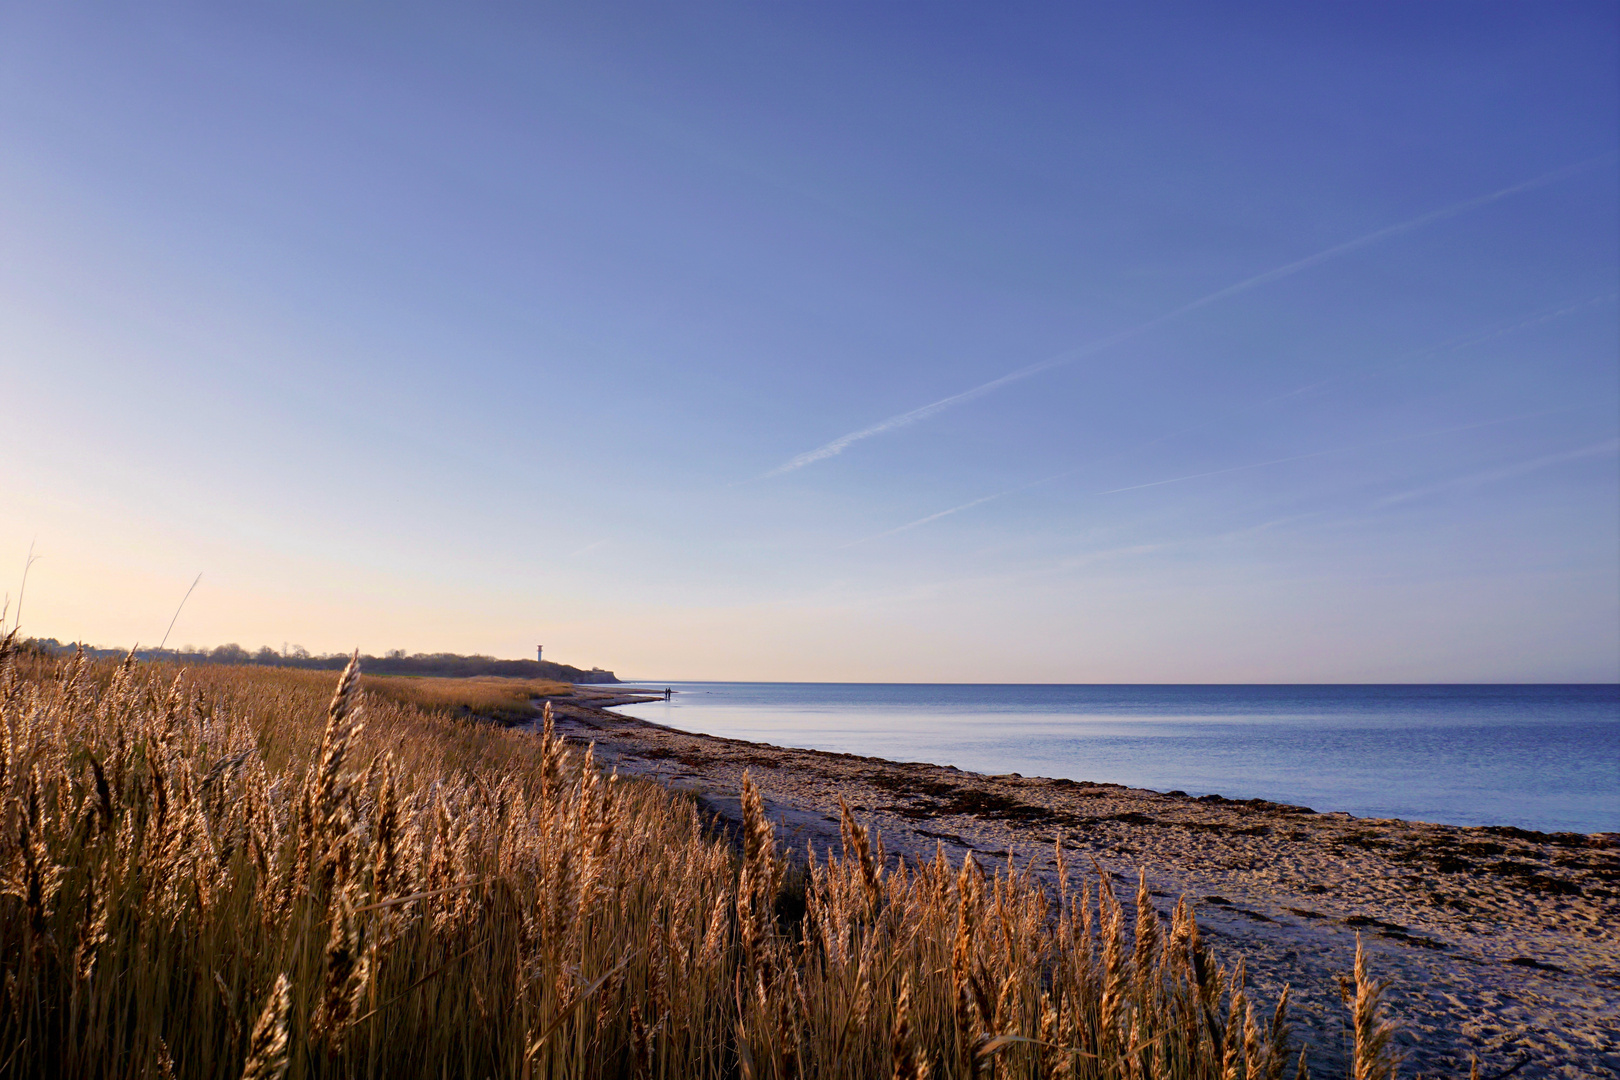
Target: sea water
<point x="1536" y="757"/>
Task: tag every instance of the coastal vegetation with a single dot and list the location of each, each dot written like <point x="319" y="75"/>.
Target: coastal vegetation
<point x="248" y="871"/>
<point x="488" y="696"/>
<point x="393" y="662"/>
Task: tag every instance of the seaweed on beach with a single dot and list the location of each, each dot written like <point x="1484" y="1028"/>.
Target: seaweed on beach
<point x="984" y="805"/>
<point x="907" y="783"/>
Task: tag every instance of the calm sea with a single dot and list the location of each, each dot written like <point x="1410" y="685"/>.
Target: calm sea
<point x="1538" y="757"/>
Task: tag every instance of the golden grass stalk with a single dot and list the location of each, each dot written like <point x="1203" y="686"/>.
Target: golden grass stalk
<point x="267" y="1048"/>
<point x="424" y="894"/>
<point x="1374" y="1048"/>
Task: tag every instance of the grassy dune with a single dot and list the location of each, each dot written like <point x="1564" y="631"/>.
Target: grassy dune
<point x="249" y="872"/>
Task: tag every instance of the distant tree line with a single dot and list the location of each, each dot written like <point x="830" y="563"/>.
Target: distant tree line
<point x="394" y="662"/>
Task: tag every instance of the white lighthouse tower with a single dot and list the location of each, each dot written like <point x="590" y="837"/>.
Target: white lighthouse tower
<point x="538" y="649"/>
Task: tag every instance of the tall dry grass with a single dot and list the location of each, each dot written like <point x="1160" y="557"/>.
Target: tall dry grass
<point x="492" y="696"/>
<point x="240" y="872"/>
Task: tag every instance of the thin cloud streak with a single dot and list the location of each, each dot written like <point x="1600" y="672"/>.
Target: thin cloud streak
<point x="1075" y="562"/>
<point x="843" y="442"/>
<point x="1084" y="559"/>
<point x="1337" y="450"/>
<point x="1201" y="475"/>
<point x="1454" y="345"/>
<point x="906" y="419"/>
<point x="1490" y="476"/>
<point x="980" y="501"/>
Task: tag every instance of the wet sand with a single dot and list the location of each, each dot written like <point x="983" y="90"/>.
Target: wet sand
<point x="1499" y="942"/>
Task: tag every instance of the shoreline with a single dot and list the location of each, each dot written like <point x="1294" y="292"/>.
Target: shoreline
<point x="1498" y="940"/>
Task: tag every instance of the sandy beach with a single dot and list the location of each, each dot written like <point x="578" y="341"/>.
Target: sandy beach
<point x="1498" y="941"/>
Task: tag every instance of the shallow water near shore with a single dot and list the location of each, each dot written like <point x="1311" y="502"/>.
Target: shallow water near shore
<point x="1535" y="757"/>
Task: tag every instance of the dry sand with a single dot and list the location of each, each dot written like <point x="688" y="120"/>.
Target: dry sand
<point x="1498" y="941"/>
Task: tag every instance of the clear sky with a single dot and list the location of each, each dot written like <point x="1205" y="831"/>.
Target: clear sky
<point x="898" y="341"/>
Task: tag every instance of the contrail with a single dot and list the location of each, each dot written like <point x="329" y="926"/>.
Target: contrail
<point x="840" y="444"/>
<point x="958" y="509"/>
<point x="1457" y="344"/>
<point x="1453" y="345"/>
<point x="1212" y="472"/>
<point x="1608" y="446"/>
<point x="906" y="419"/>
<point x="1337" y="450"/>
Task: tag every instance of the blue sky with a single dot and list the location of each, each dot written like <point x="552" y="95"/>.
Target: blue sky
<point x="454" y="328"/>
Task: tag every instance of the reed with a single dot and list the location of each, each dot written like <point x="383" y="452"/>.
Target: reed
<point x="240" y="872"/>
